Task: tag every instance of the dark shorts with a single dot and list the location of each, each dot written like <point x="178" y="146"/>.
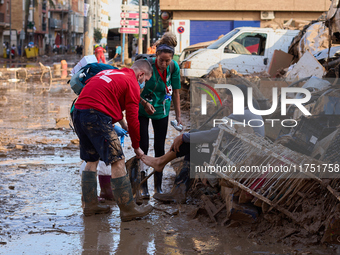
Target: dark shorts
<point x="97" y="138"/>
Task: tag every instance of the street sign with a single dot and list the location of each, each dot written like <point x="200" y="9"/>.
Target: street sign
<point x="128" y="30"/>
<point x="180" y="30"/>
<point x="22" y="34"/>
<point x="145" y="23"/>
<point x="129" y="15"/>
<point x="150" y="23"/>
<point x="30" y="24"/>
<point x="134" y="8"/>
<point x="86" y="9"/>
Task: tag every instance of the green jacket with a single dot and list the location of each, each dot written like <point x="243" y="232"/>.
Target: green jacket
<point x="157" y="94"/>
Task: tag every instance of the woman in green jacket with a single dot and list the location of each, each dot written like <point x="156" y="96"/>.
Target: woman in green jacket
<point x="159" y="91"/>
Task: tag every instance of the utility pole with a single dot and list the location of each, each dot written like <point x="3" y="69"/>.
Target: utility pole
<point x="22" y="38"/>
<point x="148" y="34"/>
<point x="69" y="34"/>
<point x="62" y="30"/>
<point x="140" y="36"/>
<point x="88" y="28"/>
<point x="157" y="21"/>
<point x="10" y="33"/>
<point x="125" y="47"/>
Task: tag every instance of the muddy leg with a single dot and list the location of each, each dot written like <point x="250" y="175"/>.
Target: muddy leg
<point x="89" y="194"/>
<point x="122" y="192"/>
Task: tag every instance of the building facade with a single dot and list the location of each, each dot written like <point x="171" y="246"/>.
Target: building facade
<point x="195" y="21"/>
<point x="66" y="24"/>
<point x="100" y="18"/>
<point x="16" y="19"/>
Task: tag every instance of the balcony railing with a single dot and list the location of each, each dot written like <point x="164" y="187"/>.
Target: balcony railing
<point x="59" y="7"/>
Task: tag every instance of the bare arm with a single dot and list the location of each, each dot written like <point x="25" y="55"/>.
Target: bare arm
<point x="177" y="105"/>
<point x="123" y="124"/>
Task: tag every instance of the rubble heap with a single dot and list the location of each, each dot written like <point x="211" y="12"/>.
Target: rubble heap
<point x="307" y="197"/>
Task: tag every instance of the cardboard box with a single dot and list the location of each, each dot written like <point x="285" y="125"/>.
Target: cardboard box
<point x="280" y="60"/>
<point x="83" y="62"/>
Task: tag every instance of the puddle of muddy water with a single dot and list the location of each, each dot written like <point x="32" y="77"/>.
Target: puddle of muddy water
<point x="40" y="205"/>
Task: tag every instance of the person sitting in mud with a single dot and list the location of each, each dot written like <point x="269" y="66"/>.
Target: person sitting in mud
<point x="181" y="147"/>
<point x="99" y="105"/>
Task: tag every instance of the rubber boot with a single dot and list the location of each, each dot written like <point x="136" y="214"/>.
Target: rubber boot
<point x="105" y="187"/>
<point x="122" y="192"/>
<point x="89" y="195"/>
<point x="144" y="191"/>
<point x="135" y="175"/>
<point x="158" y="182"/>
<point x="181" y="186"/>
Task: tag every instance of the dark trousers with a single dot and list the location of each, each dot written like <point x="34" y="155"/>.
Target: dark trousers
<point x="160" y="128"/>
<point x="191" y="152"/>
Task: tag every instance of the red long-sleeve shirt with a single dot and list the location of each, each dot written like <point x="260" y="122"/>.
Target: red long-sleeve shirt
<point x="111" y="92"/>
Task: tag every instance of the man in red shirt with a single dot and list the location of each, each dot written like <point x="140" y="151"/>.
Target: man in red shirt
<point x="99" y="53"/>
<point x="99" y="106"/>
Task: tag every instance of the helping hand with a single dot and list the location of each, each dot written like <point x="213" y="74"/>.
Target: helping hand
<point x="139" y="153"/>
<point x="149" y="109"/>
<point x="179" y="120"/>
<point x="121" y="133"/>
<point x="177" y="143"/>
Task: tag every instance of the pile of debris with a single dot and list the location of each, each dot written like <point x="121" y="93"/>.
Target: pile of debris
<point x="275" y="179"/>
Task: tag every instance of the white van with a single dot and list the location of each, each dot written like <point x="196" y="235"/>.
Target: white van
<point x="245" y="49"/>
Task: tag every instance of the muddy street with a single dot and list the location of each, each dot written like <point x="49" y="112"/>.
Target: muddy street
<point x="40" y="193"/>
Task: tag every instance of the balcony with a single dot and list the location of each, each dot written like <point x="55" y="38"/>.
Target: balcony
<point x="60" y="7"/>
<point x="55" y="23"/>
<point x="79" y="29"/>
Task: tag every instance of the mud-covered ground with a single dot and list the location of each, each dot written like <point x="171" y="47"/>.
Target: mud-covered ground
<point x="40" y="206"/>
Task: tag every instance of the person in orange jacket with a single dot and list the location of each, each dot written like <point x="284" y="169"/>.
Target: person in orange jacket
<point x="152" y="49"/>
<point x="99" y="53"/>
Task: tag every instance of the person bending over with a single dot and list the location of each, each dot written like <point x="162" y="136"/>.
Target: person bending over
<point x="99" y="105"/>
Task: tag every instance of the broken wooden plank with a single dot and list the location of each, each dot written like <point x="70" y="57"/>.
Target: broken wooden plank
<point x="209" y="207"/>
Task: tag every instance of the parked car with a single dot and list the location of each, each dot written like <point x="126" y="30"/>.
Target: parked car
<point x="245" y="49"/>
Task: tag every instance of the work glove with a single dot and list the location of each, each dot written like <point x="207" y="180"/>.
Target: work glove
<point x="121" y="133"/>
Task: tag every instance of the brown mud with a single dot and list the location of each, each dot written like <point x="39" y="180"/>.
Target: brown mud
<point x="40" y="207"/>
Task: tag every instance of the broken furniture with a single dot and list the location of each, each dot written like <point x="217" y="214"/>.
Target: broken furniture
<point x="285" y="190"/>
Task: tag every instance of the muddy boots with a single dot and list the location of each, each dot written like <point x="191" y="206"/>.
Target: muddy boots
<point x="89" y="195"/>
<point x="144" y="191"/>
<point x="180" y="188"/>
<point x="105" y="187"/>
<point x="122" y="192"/>
<point x="135" y="175"/>
<point x="158" y="182"/>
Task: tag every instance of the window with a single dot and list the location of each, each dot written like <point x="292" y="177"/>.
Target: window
<point x="222" y="40"/>
<point x="248" y="44"/>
